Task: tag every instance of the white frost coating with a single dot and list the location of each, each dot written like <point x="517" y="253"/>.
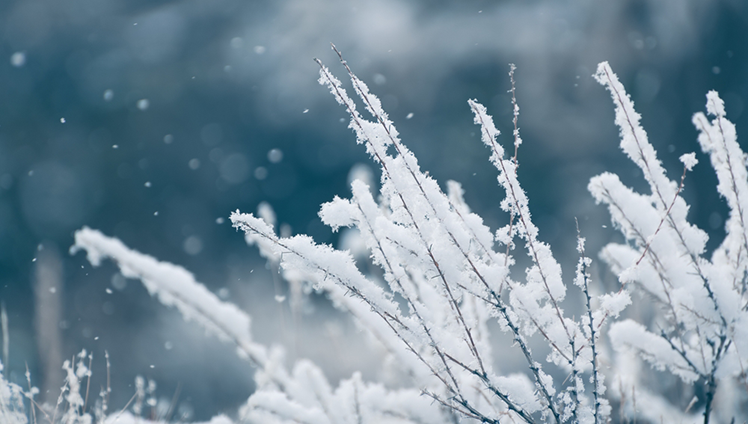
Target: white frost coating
<point x="489" y="133"/>
<point x="654" y="349"/>
<point x="634" y="141"/>
<point x="702" y="330"/>
<point x="319" y="262"/>
<point x="714" y="104"/>
<point x="175" y="286"/>
<point x="335" y="273"/>
<point x="536" y="302"/>
<point x="580" y="244"/>
<point x="718" y="138"/>
<point x="611" y="305"/>
<point x="522" y="391"/>
<point x="275" y="407"/>
<point x="546" y="271"/>
<point x="456" y="196"/>
<point x="637" y="400"/>
<point x="689" y="160"/>
<point x="353" y="401"/>
<point x="338" y="213"/>
<point x="436" y="254"/>
<point x="12" y="409"/>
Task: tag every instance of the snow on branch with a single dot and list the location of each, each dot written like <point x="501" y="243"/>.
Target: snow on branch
<point x="718" y="138"/>
<point x="175" y="286"/>
<point x="700" y="335"/>
<point x="303" y="396"/>
<point x="634" y="140"/>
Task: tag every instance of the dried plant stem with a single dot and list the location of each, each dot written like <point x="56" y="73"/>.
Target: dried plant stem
<point x="30" y="395"/>
<point x="733" y="185"/>
<point x="515" y="113"/>
<point x="593" y="336"/>
<point x="654" y="259"/>
<point x="529" y="238"/>
<point x="88" y="382"/>
<point x="669" y="209"/>
<point x="173" y="403"/>
<point x="105" y="401"/>
<point x="381" y="159"/>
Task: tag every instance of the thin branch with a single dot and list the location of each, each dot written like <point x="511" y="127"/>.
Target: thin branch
<point x="484" y="378"/>
<point x="593" y="337"/>
<point x="675" y="197"/>
<point x="88" y="381"/>
<point x="529" y="237"/>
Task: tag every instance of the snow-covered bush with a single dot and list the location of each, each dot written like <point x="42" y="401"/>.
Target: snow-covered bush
<point x="446" y="278"/>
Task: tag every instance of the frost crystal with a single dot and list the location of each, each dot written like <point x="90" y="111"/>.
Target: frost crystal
<point x="689" y="160"/>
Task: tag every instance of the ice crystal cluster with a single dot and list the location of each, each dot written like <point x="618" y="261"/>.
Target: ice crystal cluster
<point x="446" y="279"/>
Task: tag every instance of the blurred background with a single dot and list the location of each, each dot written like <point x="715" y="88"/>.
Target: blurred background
<point x="153" y="120"/>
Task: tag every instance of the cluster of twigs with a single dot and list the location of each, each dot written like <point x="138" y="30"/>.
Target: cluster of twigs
<point x="446" y="275"/>
<point x="428" y="241"/>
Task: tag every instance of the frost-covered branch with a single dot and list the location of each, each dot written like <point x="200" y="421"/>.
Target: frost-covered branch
<point x="175" y="286"/>
<point x="704" y="298"/>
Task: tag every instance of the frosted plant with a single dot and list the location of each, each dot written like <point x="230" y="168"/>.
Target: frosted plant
<point x="12" y="410"/>
<point x="445" y="276"/>
<point x="445" y="266"/>
<point x="700" y="333"/>
<point x="303" y="395"/>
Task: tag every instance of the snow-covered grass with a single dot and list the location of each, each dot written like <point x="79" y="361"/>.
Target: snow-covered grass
<point x="446" y="279"/>
<point x="77" y="404"/>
